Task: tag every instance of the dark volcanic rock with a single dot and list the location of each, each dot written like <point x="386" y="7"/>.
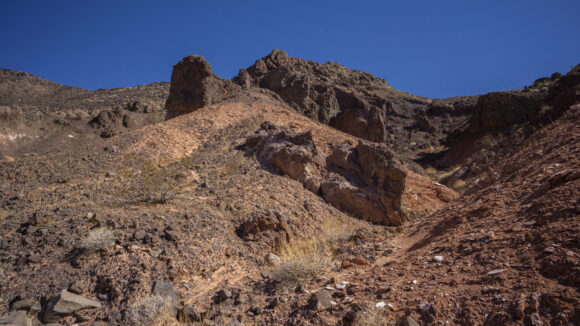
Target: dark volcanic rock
<point x="194" y="85"/>
<point x="111" y="122"/>
<point x="500" y="109"/>
<point x="355" y="102"/>
<point x="263" y="224"/>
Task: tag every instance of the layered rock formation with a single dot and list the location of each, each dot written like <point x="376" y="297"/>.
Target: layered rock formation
<point x="365" y="180"/>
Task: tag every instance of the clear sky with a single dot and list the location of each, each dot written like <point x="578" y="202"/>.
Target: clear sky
<point x="431" y="48"/>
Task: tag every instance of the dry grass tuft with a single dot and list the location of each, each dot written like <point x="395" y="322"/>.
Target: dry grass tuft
<point x="371" y="316"/>
<point x="302" y="261"/>
<point x="143" y="180"/>
<point x="339" y="229"/>
<point x="306" y="259"/>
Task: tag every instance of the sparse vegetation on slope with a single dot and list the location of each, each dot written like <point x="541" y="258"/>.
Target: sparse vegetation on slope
<point x="240" y="232"/>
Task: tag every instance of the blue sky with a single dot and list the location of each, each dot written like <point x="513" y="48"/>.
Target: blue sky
<point x="430" y="48"/>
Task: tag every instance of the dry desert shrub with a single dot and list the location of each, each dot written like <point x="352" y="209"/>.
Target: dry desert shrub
<point x="144" y="180"/>
<point x="303" y="260"/>
<point x="338" y="230"/>
<point x="371" y="316"/>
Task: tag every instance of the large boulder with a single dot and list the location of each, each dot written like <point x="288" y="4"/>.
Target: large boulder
<point x="194" y="85"/>
<point x="294" y="154"/>
<point x="365" y="180"/>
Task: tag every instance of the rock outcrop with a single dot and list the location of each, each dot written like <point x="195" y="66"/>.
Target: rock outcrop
<point x="355" y="102"/>
<point x="500" y="109"/>
<point x="194" y="85"/>
<point x="365" y="180"/>
<point x="110" y="122"/>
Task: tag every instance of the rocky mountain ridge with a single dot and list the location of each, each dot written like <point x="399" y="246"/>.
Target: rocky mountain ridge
<point x="445" y="134"/>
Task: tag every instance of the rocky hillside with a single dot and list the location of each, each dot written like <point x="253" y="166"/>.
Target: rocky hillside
<point x="28" y="94"/>
<point x="32" y="108"/>
<point x="267" y="200"/>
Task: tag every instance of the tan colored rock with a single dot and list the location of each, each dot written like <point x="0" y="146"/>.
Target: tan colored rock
<point x="366" y="180"/>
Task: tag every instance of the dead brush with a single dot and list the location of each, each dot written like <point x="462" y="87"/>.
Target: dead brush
<point x="371" y="316"/>
<point x="303" y="260"/>
<point x="143" y="180"/>
<point x="154" y="310"/>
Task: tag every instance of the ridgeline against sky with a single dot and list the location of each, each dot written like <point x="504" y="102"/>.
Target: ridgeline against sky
<point x="434" y="49"/>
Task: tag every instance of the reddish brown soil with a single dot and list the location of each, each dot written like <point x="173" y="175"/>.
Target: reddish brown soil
<point x="510" y="247"/>
<point x="507" y="252"/>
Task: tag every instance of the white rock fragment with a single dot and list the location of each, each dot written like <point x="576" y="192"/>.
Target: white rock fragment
<point x="438" y="259"/>
<point x="380" y="304"/>
<point x="341" y="285"/>
<point x="495" y="272"/>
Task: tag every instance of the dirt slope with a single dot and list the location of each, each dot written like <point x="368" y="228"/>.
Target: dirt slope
<point x="509" y="248"/>
<point x="49" y="200"/>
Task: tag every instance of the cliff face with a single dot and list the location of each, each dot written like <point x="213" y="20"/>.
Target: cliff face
<point x="352" y="101"/>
